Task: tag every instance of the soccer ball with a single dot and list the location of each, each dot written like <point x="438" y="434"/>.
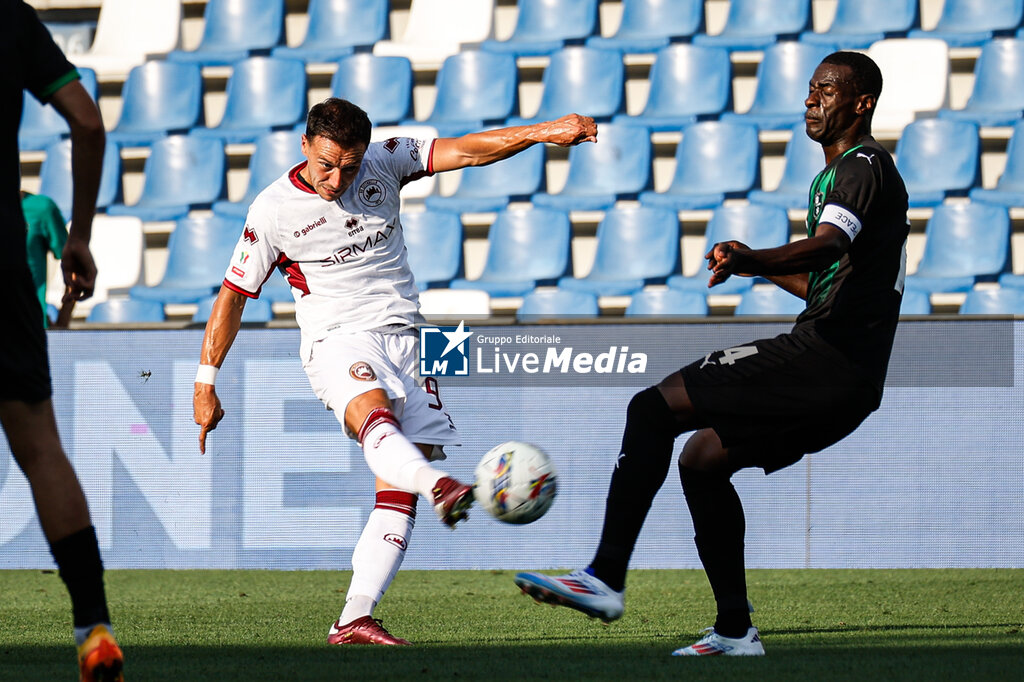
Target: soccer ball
<point x="515" y="482"/>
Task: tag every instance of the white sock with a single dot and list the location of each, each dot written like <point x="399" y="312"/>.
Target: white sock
<point x="82" y="633"/>
<point x="393" y="458"/>
<point x="379" y="552"/>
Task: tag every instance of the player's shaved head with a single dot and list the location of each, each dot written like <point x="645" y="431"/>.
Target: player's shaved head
<point x="865" y="75"/>
<point x="340" y="121"/>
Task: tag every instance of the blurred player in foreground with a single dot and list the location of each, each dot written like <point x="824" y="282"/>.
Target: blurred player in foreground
<point x="769" y="403"/>
<point x="33" y="62"/>
<point x="331" y="224"/>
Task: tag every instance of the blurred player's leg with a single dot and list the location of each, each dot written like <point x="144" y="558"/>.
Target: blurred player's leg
<point x="375" y="561"/>
<point x="64" y="516"/>
<point x="394" y="458"/>
<point x="640" y="471"/>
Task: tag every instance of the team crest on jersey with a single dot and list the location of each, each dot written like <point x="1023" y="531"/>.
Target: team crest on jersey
<point x="362" y="371"/>
<point x="819" y="203"/>
<point x="249" y="234"/>
<point x="372" y="192"/>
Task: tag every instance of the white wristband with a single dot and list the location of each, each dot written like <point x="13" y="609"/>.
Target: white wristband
<point x="206" y="374"/>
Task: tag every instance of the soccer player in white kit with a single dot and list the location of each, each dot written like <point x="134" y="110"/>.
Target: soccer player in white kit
<point x="331" y="225"/>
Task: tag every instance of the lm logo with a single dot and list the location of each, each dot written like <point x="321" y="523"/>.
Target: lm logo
<point x="444" y="351"/>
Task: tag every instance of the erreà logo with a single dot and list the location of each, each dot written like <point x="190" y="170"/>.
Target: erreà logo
<point x="249" y="235"/>
<point x="444" y="351"/>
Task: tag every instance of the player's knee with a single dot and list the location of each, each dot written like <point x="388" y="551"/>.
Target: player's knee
<point x="649" y="410"/>
<point x="703" y="452"/>
<point x="362" y="406"/>
<point x="374" y="418"/>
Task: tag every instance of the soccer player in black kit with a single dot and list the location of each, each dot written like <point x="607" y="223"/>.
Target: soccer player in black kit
<point x="31" y="61"/>
<point x="768" y="403"/>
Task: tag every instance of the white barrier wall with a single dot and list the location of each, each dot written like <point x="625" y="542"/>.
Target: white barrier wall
<point x="933" y="479"/>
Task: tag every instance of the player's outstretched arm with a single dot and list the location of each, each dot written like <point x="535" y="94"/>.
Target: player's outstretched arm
<point x="480" y="149"/>
<point x="785" y="265"/>
<point x="221" y="329"/>
<point x="87" y="143"/>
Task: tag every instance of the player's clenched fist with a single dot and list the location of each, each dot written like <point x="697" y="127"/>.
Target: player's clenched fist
<point x="725" y="259"/>
<point x="570" y="130"/>
<point x="207" y="411"/>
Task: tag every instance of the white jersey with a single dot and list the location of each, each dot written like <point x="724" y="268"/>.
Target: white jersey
<point x="345" y="259"/>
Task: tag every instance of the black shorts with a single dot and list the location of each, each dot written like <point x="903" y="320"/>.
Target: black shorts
<point x="24" y="365"/>
<point x="774" y="400"/>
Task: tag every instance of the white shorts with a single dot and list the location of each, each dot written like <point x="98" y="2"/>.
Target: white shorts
<point x="343" y="366"/>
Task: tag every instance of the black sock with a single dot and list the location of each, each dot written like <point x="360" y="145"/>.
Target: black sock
<point x="640" y="470"/>
<point x="719" y="526"/>
<point x="81" y="569"/>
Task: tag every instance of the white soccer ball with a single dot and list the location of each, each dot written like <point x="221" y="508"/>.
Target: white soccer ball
<point x="515" y="482"/>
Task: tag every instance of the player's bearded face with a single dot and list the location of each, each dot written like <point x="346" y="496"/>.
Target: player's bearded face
<point x="330" y="168"/>
<point x="831" y="104"/>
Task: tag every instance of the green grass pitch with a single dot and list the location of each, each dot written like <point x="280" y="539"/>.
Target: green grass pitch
<point x="474" y="625"/>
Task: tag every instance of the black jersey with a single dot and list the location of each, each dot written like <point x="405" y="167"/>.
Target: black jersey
<point x="31" y="61"/>
<point x="854" y="304"/>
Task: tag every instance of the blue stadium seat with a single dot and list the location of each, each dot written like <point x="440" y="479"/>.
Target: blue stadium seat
<point x="55" y="177"/>
<point x="714" y="160"/>
<point x="182" y="172"/>
<point x="782" y="79"/>
<point x="916" y="302"/>
<point x="159" y="97"/>
<point x="999" y="301"/>
<point x="649" y="25"/>
<point x="769" y="300"/>
<point x="433" y="241"/>
<point x="526" y="247"/>
<point x="198" y="254"/>
<point x="963" y="242"/>
<point x="617" y="166"/>
<point x="256" y="311"/>
<point x="337" y="28"/>
<point x="275" y="153"/>
<point x="636" y="245"/>
<point x="126" y="311"/>
<point x="490" y="187"/>
<point x="474" y="89"/>
<point x="380" y="86"/>
<point x="263" y="94"/>
<point x="544" y="26"/>
<point x="1009" y="190"/>
<point x="687" y="82"/>
<point x="1011" y="280"/>
<point x="804" y="160"/>
<point x="759" y="226"/>
<point x="969" y="23"/>
<point x="858" y="23"/>
<point x="234" y="30"/>
<point x="41" y="125"/>
<point x="547" y="304"/>
<point x="584" y="80"/>
<point x="993" y="102"/>
<point x="756" y="24"/>
<point x="666" y="303"/>
<point x="938" y="158"/>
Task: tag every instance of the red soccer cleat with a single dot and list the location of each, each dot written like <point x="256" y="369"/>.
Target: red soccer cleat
<point x="365" y="630"/>
<point x="100" y="658"/>
<point x="452" y="500"/>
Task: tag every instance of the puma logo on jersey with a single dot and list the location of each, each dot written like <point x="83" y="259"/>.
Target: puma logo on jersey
<point x="869" y="157"/>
